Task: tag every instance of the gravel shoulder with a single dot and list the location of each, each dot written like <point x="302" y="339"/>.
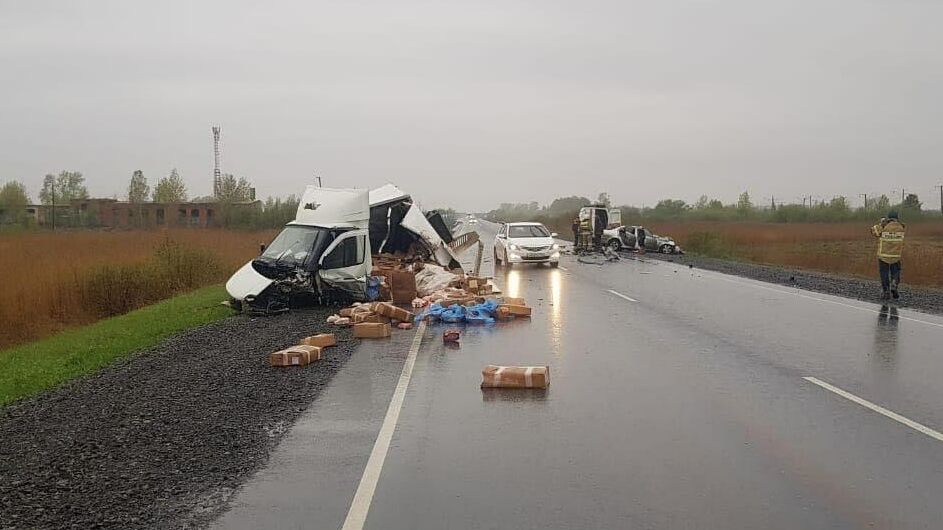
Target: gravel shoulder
<point x="163" y="438"/>
<point x="916" y="298"/>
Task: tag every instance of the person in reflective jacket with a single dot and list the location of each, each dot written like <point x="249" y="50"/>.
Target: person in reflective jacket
<point x="890" y="234"/>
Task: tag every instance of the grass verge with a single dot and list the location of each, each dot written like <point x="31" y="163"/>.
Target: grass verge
<point x="37" y="366"/>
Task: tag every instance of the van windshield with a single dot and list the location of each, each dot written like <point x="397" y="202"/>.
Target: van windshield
<point x="528" y="231"/>
<point x="295" y="244"/>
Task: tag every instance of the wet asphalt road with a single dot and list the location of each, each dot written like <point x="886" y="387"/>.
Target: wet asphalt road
<point x="677" y="400"/>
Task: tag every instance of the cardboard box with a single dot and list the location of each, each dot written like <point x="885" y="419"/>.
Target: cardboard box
<point x="389" y="310"/>
<point x="517" y="310"/>
<point x="515" y="376"/>
<point x="346" y="312"/>
<point x="372" y="330"/>
<point x="510" y="300"/>
<point x="503" y="313"/>
<point x="366" y="316"/>
<point x="322" y="340"/>
<point x="295" y="356"/>
<point x="403" y="286"/>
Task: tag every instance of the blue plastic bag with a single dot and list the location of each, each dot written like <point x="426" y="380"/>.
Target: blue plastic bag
<point x="373" y="287"/>
<point x="454" y="314"/>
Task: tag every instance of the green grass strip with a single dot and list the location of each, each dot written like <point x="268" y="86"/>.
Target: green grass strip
<point x="37" y="366"/>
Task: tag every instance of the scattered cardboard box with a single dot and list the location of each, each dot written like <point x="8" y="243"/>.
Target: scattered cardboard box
<point x="517" y="310"/>
<point x="322" y="340"/>
<point x="371" y="330"/>
<point x="403" y="286"/>
<point x="515" y="376"/>
<point x="510" y="300"/>
<point x="389" y="310"/>
<point x="364" y="317"/>
<point x="300" y="355"/>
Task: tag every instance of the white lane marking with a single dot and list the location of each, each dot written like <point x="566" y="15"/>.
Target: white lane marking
<point x="562" y="268"/>
<point x="877" y="408"/>
<point x="620" y="295"/>
<point x="817" y="299"/>
<point x="360" y="506"/>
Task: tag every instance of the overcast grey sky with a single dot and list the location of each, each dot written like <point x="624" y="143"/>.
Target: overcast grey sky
<point x="474" y="103"/>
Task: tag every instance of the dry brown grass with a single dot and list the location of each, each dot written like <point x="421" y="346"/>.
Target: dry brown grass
<point x="56" y="280"/>
<point x="845" y="248"/>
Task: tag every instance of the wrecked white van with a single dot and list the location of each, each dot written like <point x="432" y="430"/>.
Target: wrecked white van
<point x="324" y="255"/>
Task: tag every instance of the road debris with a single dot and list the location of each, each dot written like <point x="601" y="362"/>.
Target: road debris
<point x="451" y="335"/>
<point x="515" y="376"/>
<point x="321" y="340"/>
<point x="300" y="355"/>
<point x="371" y="330"/>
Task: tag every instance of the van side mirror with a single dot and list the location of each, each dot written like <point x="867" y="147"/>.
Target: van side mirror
<point x="554" y="234"/>
<point x="501" y="236"/>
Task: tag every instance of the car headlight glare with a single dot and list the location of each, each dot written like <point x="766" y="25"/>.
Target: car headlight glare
<point x="555" y="246"/>
<point x="512" y="246"/>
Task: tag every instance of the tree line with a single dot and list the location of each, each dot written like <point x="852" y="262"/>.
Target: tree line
<point x="63" y="187"/>
<point x="559" y="214"/>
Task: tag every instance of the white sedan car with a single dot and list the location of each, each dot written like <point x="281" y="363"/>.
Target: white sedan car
<point x="525" y="243"/>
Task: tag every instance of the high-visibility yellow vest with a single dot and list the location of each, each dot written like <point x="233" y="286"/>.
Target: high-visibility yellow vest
<point x="891" y="242"/>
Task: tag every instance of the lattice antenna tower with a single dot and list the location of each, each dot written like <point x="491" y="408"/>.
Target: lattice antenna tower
<point x="217" y="176"/>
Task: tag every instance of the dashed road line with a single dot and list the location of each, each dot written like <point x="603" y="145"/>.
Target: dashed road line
<point x="620" y="295"/>
<point x="360" y="506"/>
<point x="877" y="408"/>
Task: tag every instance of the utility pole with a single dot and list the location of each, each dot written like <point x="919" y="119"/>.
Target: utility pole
<point x="941" y="198"/>
<point x="865" y="195"/>
<point x="319" y="181"/>
<point x="902" y="196"/>
<point x="217" y="175"/>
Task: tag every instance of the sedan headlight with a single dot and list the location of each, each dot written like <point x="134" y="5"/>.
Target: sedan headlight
<point x="512" y="246"/>
<point x="555" y="246"/>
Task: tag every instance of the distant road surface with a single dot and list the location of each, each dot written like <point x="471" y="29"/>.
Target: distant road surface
<point x="679" y="399"/>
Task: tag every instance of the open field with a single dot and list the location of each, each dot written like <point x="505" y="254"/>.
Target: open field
<point x="846" y="248"/>
<point x="52" y="281"/>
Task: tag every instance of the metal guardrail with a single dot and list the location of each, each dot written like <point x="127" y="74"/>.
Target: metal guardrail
<point x="464" y="242"/>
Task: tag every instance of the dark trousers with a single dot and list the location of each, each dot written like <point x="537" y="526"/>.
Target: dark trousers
<point x="889" y="272"/>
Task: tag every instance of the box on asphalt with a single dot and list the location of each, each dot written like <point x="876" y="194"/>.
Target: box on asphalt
<point x="517" y="310"/>
<point x="367" y="316"/>
<point x="371" y="330"/>
<point x="321" y="340"/>
<point x="390" y="310"/>
<point x="510" y="300"/>
<point x="403" y="286"/>
<point x="515" y="376"/>
<point x="300" y="355"/>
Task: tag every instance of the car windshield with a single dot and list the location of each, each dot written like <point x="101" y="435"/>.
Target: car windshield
<point x="293" y="245"/>
<point x="528" y="231"/>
